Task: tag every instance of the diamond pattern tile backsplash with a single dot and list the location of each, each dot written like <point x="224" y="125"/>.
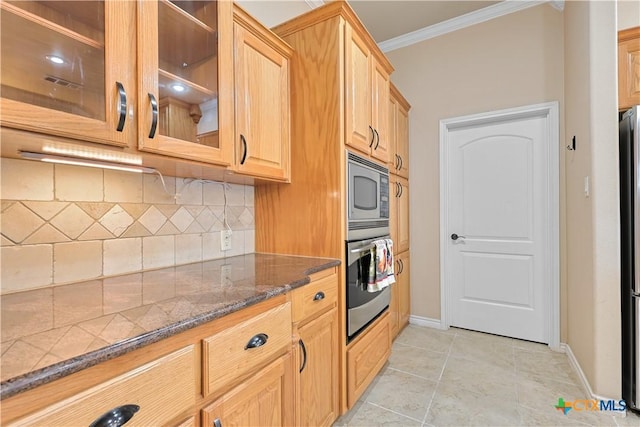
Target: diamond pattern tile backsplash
<point x="127" y="222"/>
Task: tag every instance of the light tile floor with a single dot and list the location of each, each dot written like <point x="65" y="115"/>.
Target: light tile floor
<point x="464" y="378"/>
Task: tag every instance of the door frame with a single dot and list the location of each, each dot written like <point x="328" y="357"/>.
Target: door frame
<point x="550" y="112"/>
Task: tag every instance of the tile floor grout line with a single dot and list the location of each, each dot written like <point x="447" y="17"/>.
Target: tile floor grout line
<point x="392" y="411"/>
<point x="412" y="374"/>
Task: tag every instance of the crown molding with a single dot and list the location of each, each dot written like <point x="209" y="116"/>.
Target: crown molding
<point x="476" y="17"/>
<point x="314" y="3"/>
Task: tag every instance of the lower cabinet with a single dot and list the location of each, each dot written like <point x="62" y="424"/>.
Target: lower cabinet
<point x="263" y="400"/>
<point x="366" y="356"/>
<point x="317" y="347"/>
<point x="400" y="305"/>
<point x="132" y="396"/>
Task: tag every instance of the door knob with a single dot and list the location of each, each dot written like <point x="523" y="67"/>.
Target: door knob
<point x="454" y="236"/>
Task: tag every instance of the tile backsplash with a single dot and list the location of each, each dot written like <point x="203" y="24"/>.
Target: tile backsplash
<point x="62" y="224"/>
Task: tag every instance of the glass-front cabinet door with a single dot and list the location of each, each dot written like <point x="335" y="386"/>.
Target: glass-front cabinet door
<point x="65" y="68"/>
<point x="185" y="75"/>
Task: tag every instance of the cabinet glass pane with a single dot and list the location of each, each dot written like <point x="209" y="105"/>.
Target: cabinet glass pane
<point x="188" y="70"/>
<point x="52" y="55"/>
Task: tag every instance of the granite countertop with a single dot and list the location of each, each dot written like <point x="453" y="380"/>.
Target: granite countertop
<point x="53" y="332"/>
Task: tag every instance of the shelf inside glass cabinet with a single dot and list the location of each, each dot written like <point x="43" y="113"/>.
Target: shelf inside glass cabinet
<point x="53" y="55"/>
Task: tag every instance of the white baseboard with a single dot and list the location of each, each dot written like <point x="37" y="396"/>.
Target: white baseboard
<point x="425" y="321"/>
<point x="583" y="378"/>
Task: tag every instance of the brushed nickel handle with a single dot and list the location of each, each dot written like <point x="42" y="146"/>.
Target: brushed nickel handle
<point x="122" y="106"/>
<point x="154" y="116"/>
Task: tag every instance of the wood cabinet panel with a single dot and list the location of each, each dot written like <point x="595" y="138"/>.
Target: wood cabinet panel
<point x="399" y="213"/>
<point x="263" y="400"/>
<point x="394" y="307"/>
<point x="173" y="374"/>
<point x="319" y="381"/>
<point x="164" y="63"/>
<point x="399" y="129"/>
<point x="628" y="68"/>
<point x="380" y="112"/>
<point x="315" y="298"/>
<point x="226" y="356"/>
<point x="65" y="98"/>
<point x="403" y="285"/>
<point x="366" y="356"/>
<point x="262" y="134"/>
<point x="358" y="99"/>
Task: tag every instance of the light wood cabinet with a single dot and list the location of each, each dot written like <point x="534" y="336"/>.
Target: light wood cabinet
<point x="242" y="348"/>
<point x="403" y="286"/>
<point x="399" y="131"/>
<point x="366" y="356"/>
<point x="367" y="99"/>
<point x="194" y="87"/>
<point x="134" y="394"/>
<point x="263" y="400"/>
<point x="399" y="213"/>
<point x="184" y="65"/>
<point x="316" y="315"/>
<point x="628" y="68"/>
<point x="262" y="134"/>
<point x="66" y="69"/>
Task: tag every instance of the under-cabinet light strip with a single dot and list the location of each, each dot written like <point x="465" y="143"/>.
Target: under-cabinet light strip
<point x="50" y="158"/>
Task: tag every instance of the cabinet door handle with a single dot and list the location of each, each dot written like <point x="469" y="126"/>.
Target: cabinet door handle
<point x="257" y="341"/>
<point x="377" y="139"/>
<point x="319" y="296"/>
<point x="122" y="106"/>
<point x="304" y="355"/>
<point x="398" y="267"/>
<point x="401" y="189"/>
<point x="401" y="163"/>
<point x="116" y="417"/>
<point x="244" y="149"/>
<point x="154" y="116"/>
<point x="397" y="189"/>
<point x="373" y="137"/>
<point x="397" y="161"/>
<point x="217" y="423"/>
<point x="401" y="266"/>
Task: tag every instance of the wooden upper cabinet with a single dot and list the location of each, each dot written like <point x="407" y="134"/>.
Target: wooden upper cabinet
<point x="185" y="79"/>
<point x="399" y="213"/>
<point x="628" y="68"/>
<point x="367" y="98"/>
<point x="66" y="68"/>
<point x="262" y="127"/>
<point x="399" y="128"/>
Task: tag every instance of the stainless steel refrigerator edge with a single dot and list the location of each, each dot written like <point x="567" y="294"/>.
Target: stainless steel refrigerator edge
<point x="630" y="254"/>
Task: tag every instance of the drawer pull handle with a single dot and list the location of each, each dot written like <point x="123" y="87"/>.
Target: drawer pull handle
<point x="257" y="341"/>
<point x="217" y="423"/>
<point x="304" y="355"/>
<point x="116" y="417"/>
<point x="319" y="296"/>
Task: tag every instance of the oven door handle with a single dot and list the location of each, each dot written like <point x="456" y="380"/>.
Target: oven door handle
<point x="360" y="250"/>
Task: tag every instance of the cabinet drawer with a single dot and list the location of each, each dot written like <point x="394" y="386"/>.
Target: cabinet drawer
<point x="315" y="298"/>
<point x="226" y="355"/>
<point x="163" y="389"/>
<point x="366" y="357"/>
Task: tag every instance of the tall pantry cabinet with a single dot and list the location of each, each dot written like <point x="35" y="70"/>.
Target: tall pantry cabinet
<point x="334" y="108"/>
<point x="399" y="193"/>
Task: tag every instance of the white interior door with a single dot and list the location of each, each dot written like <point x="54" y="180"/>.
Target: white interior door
<point x="496" y="237"/>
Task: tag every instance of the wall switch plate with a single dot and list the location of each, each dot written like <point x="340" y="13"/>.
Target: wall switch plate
<point x="225" y="240"/>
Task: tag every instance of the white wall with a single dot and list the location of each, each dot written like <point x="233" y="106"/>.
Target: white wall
<point x="272" y="13"/>
<point x="592" y="228"/>
<point x="628" y="14"/>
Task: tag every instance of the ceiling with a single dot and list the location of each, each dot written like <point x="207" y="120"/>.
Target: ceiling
<point x="386" y="19"/>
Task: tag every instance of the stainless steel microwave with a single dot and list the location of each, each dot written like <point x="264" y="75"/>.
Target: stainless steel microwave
<point x="367" y="198"/>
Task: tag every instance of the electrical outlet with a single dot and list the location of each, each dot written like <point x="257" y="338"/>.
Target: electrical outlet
<point x="225" y="240"/>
